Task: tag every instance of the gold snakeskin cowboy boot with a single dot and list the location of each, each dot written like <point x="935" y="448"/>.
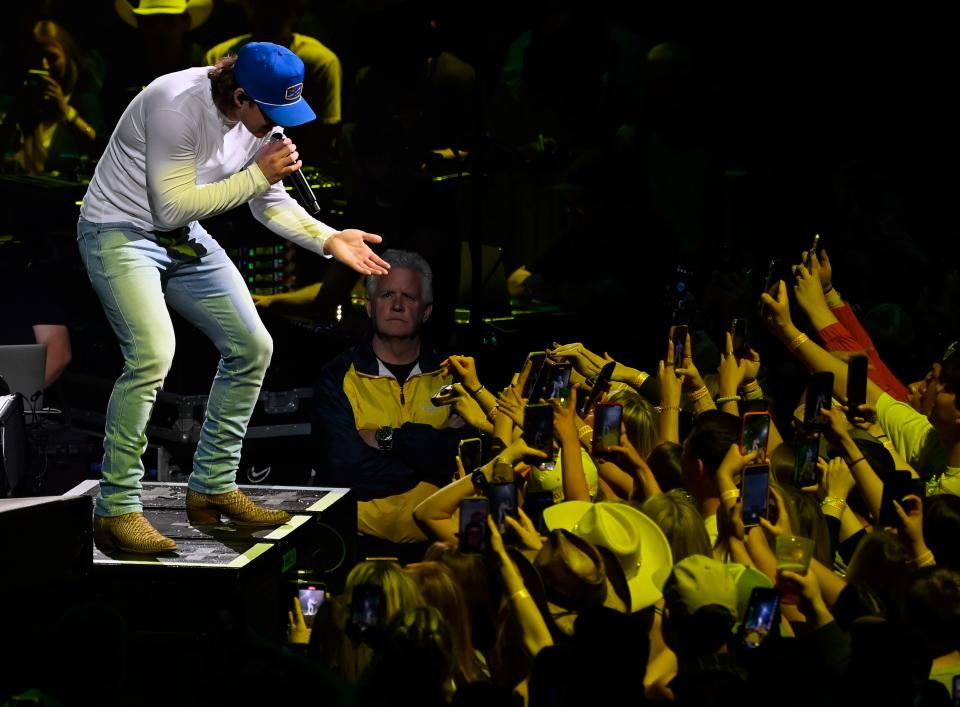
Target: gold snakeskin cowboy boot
<point x="131" y="532"/>
<point x="203" y="509"/>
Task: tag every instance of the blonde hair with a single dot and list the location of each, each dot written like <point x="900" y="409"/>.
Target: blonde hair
<point x="441" y="591"/>
<point x="400" y="592"/>
<point x="399" y="589"/>
<point x="678" y="518"/>
<point x="638" y="420"/>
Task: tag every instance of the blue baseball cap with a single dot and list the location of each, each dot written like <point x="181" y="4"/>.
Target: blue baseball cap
<point x="273" y="77"/>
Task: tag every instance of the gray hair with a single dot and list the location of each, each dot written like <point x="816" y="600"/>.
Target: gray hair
<point x="411" y="261"/>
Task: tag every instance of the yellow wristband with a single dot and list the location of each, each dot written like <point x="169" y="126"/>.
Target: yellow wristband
<point x="728" y="494"/>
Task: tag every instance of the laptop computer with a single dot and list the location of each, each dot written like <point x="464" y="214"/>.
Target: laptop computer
<point x="22" y="367"/>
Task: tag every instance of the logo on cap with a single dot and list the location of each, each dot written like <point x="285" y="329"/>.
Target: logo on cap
<point x="293" y="93"/>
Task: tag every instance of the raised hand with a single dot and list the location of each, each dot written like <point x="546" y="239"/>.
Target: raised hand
<point x="525" y="531"/>
<point x="583" y="360"/>
<point x="466" y="368"/>
<point x="776" y="311"/>
<point x="349" y="246"/>
<point x="824" y="270"/>
<point x="297" y="629"/>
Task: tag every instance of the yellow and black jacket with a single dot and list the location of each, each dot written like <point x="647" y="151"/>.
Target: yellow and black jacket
<point x="355" y="391"/>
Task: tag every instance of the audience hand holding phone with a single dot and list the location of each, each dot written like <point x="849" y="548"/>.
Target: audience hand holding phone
<point x="525" y="531"/>
<point x="910" y="510"/>
<point x="468" y="409"/>
<point x="465" y="367"/>
<point x="837" y="481"/>
<point x="811" y="605"/>
<point x="297" y="629"/>
<point x="728" y="474"/>
<point x="776" y="313"/>
<point x="821" y="261"/>
<point x="565" y="420"/>
<point x="692" y="380"/>
<point x="782" y="525"/>
<point x="731" y="374"/>
<point x="670" y="386"/>
<point x="584" y="361"/>
<point x="809" y="294"/>
<point x="629" y="457"/>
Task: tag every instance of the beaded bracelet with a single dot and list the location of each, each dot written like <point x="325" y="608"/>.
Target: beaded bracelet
<point x="584" y="431"/>
<point x="727" y="399"/>
<point x="664" y="408"/>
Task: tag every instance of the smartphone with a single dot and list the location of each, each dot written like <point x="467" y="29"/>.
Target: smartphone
<point x="311" y="597"/>
<point x="538" y="426"/>
<point x="805" y="464"/>
<point x="557" y="377"/>
<point x="503" y="503"/>
<point x="473" y="524"/>
<point x="819" y="395"/>
<point x="754" y="434"/>
<point x="606" y="428"/>
<point x="760" y="617"/>
<point x="738" y="331"/>
<point x="679" y="345"/>
<point x="856" y="384"/>
<point x="536" y="359"/>
<point x="443" y="396"/>
<point x="814" y="246"/>
<point x="470" y="452"/>
<point x="36" y="77"/>
<point x="598" y="389"/>
<point x="777" y="270"/>
<point x="754" y="490"/>
<point x="896" y="485"/>
<point x="367" y="608"/>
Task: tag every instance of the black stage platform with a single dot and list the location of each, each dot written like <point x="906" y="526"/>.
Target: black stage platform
<point x="189" y="619"/>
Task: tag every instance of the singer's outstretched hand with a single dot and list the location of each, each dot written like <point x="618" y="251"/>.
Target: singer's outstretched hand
<point x="349" y="246"/>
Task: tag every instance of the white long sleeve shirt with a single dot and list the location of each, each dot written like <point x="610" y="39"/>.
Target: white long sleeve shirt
<point x="174" y="158"/>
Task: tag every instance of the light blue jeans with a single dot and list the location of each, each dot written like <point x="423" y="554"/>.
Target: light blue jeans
<point x="136" y="277"/>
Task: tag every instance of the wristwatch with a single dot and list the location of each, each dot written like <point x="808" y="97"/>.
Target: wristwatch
<point x="384" y="437"/>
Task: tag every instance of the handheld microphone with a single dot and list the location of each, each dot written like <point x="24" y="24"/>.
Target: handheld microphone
<point x="302" y="187"/>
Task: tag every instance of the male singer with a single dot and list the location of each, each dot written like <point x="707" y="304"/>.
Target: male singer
<point x="193" y="144"/>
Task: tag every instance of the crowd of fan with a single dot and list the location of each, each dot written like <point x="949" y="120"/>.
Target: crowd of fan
<point x="633" y="569"/>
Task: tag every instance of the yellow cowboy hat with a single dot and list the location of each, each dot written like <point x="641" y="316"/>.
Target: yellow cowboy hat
<point x="198" y="10"/>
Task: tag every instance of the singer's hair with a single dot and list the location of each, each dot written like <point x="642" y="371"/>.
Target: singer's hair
<point x="223" y="83"/>
<point x="411" y="261"/>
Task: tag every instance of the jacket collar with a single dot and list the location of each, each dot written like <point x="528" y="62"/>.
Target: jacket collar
<point x="365" y="361"/>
